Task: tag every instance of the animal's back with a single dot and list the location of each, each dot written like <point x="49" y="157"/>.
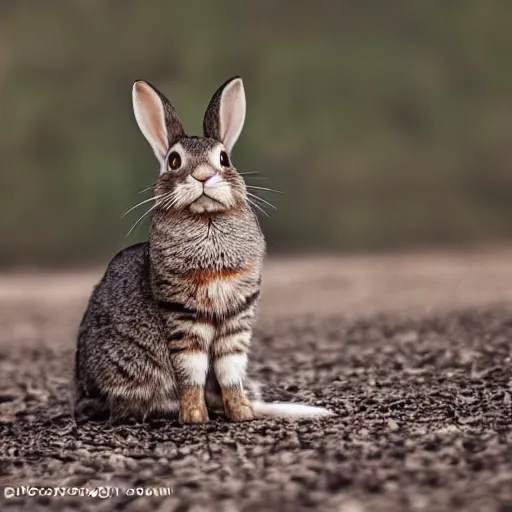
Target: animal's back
<point x="121" y="344"/>
<point x="124" y="284"/>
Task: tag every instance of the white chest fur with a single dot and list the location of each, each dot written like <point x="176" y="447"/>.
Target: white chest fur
<point x="221" y="294"/>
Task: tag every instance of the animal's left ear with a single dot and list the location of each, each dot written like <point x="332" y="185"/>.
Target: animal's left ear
<point x="156" y="118"/>
<point x="225" y="115"/>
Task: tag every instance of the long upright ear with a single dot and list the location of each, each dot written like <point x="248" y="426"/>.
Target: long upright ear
<point x="156" y="118"/>
<point x="225" y="115"/>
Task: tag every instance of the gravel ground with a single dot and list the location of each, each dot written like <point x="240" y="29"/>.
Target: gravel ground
<point x="414" y="356"/>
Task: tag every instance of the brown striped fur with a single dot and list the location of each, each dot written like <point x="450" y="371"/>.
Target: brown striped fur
<point x="169" y="326"/>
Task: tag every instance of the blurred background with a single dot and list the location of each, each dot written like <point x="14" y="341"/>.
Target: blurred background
<point x="387" y="125"/>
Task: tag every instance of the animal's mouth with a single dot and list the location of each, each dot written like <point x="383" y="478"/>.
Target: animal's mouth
<point x="206" y="204"/>
<point x="204" y="194"/>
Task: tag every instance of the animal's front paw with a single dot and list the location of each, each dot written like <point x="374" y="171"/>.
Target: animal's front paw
<point x="236" y="405"/>
<point x="198" y="415"/>
<point x="241" y="413"/>
<point x="193" y="406"/>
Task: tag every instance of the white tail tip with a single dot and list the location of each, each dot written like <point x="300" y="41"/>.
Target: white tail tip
<point x="288" y="410"/>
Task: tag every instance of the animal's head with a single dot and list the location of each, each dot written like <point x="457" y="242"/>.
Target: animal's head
<point x="196" y="173"/>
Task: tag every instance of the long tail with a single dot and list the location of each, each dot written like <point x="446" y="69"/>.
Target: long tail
<point x="290" y="411"/>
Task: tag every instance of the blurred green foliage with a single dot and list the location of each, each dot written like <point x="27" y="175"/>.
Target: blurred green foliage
<point x="385" y="124"/>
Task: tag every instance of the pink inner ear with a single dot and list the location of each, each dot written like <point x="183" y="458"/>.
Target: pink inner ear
<point x="152" y="117"/>
<point x="232" y="113"/>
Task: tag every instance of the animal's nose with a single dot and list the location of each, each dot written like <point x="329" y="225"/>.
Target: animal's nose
<point x="203" y="173"/>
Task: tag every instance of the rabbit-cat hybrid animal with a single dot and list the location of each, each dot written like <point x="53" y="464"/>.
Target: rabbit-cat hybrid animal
<point x="168" y="327"/>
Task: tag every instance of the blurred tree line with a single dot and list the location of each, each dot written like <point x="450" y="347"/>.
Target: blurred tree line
<point x="385" y="124"/>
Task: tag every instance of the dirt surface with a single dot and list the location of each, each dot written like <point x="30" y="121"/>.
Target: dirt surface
<point x="413" y="354"/>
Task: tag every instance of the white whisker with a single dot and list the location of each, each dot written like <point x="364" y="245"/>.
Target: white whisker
<point x="154" y="198"/>
<point x="259" y="207"/>
<point x="262" y="200"/>
<point x="168" y="198"/>
<point x="170" y="202"/>
<point x="267" y="189"/>
<point x="140" y="218"/>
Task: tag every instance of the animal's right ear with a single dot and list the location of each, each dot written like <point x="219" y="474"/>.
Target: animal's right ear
<point x="225" y="115"/>
<point x="156" y="118"/>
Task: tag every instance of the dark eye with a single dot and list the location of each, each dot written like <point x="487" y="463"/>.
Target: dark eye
<point x="224" y="159"/>
<point x="174" y="161"/>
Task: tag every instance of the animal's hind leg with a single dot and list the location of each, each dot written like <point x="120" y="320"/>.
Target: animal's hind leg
<point x="104" y="409"/>
<point x="91" y="409"/>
